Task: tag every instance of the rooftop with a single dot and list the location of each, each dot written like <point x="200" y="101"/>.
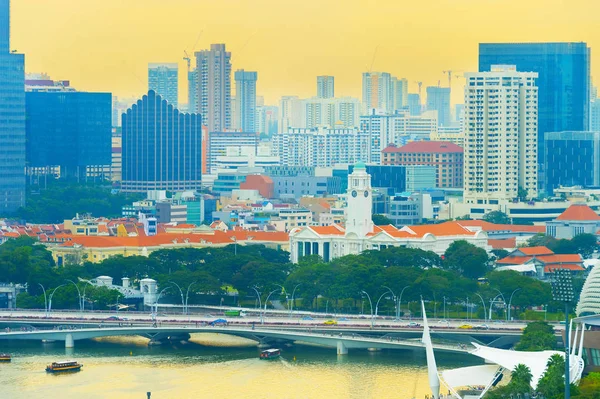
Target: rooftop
<point x="580" y="212"/>
<point x="426" y="146"/>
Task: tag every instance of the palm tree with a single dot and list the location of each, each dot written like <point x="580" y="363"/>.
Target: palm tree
<point x="521" y="376"/>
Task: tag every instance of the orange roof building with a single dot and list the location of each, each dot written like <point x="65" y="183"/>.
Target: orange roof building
<point x="544" y="260"/>
<point x="576" y="219"/>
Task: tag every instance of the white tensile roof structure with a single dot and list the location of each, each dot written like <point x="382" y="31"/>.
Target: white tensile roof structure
<point x="589" y="300"/>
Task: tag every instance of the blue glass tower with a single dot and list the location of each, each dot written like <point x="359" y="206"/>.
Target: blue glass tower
<point x="68" y="129"/>
<point x="563" y="82"/>
<point x="12" y="119"/>
<point x="161" y="147"/>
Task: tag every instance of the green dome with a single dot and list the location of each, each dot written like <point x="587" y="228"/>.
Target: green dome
<point x="360" y="165"/>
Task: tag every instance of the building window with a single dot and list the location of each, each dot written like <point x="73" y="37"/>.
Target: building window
<point x="595" y="356"/>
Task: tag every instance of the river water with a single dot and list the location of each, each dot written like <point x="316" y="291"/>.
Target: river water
<point x="126" y="367"/>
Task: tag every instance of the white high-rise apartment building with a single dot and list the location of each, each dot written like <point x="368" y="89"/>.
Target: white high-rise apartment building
<point x="245" y="107"/>
<point x="325" y="87"/>
<point x="377" y="92"/>
<point x="400" y="93"/>
<point x="397" y="129"/>
<point x="501" y="130"/>
<point x="163" y="78"/>
<point x="213" y="100"/>
<point x="341" y="112"/>
<point x="290" y="113"/>
<point x="321" y="147"/>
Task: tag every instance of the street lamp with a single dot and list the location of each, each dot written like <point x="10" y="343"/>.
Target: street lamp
<point x="259" y="305"/>
<point x="483" y="303"/>
<point x="155" y="302"/>
<point x="562" y="291"/>
<point x="492" y="304"/>
<point x="181" y="293"/>
<point x="400" y="302"/>
<point x="50" y="299"/>
<point x="45" y="300"/>
<point x="371" y="304"/>
<point x="267" y="300"/>
<point x="444" y="308"/>
<point x="83" y="296"/>
<point x="389" y="291"/>
<point x="292" y="301"/>
<point x="187" y="295"/>
<point x="510" y="302"/>
<point x="78" y="293"/>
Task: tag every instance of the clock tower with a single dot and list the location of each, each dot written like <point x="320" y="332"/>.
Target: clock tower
<point x="360" y="203"/>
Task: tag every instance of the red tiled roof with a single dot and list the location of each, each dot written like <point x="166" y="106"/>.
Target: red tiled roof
<point x="514" y="260"/>
<point x="507" y="243"/>
<point x="578" y="212"/>
<point x="545" y="259"/>
<point x="327" y="230"/>
<point x="426" y="147"/>
<point x="540" y="250"/>
<point x="442" y="229"/>
<point x="575" y="268"/>
<point x="515" y="228"/>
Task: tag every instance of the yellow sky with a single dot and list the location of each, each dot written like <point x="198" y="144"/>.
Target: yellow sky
<point x="105" y="45"/>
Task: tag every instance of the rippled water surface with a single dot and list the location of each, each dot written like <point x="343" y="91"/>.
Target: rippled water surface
<point x="128" y="368"/>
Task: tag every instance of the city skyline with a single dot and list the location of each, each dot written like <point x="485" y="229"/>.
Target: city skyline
<point x="115" y="58"/>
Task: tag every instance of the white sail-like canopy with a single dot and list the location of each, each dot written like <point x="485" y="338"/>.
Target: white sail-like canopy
<point x="470" y="376"/>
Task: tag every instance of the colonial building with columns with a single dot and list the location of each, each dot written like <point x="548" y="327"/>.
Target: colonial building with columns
<point x="360" y="234"/>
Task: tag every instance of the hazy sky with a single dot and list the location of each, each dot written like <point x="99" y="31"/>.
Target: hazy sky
<point x="105" y="45"/>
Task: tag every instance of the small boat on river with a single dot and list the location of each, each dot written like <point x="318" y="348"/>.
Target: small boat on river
<point x="270" y="354"/>
<point x="64" y="366"/>
<point x="5" y="357"/>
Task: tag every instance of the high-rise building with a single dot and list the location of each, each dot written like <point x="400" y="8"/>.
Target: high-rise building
<point x="377" y="92"/>
<point x="267" y="117"/>
<point x="343" y="112"/>
<point x="400" y="93"/>
<point x="12" y="120"/>
<point x="70" y="129"/>
<point x="245" y="94"/>
<point x="325" y="87"/>
<point x="217" y="143"/>
<point x="162" y="147"/>
<point x="321" y="147"/>
<point x="563" y="80"/>
<point x="192" y="90"/>
<point x="595" y="115"/>
<point x="163" y="80"/>
<point x="500" y="157"/>
<point x="214" y="87"/>
<point x="414" y="104"/>
<point x="438" y="99"/>
<point x="290" y="113"/>
<point x="572" y="159"/>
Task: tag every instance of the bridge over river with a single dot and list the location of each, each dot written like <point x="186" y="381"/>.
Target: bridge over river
<point x="340" y="340"/>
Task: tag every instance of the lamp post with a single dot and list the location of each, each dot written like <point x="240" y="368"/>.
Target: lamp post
<point x="400" y="302"/>
<point x="45" y="300"/>
<point x="83" y="296"/>
<point x="444" y="308"/>
<point x="503" y="298"/>
<point x="395" y="298"/>
<point x="187" y="296"/>
<point x="371" y="304"/>
<point x="50" y="299"/>
<point x="78" y="293"/>
<point x="155" y="302"/>
<point x="483" y="303"/>
<point x="510" y="302"/>
<point x="467" y="308"/>
<point x="292" y="300"/>
<point x="389" y="291"/>
<point x="562" y="291"/>
<point x="259" y="305"/>
<point x="181" y="293"/>
<point x="267" y="300"/>
<point x="492" y="304"/>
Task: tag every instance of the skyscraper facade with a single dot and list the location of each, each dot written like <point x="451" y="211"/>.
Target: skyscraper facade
<point x="290" y="113"/>
<point x="163" y="80"/>
<point x="192" y="90"/>
<point x="414" y="104"/>
<point x="162" y="147"/>
<point x="245" y="94"/>
<point x="501" y="131"/>
<point x="214" y="87"/>
<point x="325" y="87"/>
<point x="400" y="93"/>
<point x="438" y="99"/>
<point x="377" y="92"/>
<point x="12" y="120"/>
<point x="341" y="112"/>
<point x="68" y="129"/>
<point x="563" y="80"/>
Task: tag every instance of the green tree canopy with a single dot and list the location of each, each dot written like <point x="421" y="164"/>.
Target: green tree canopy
<point x="538" y="336"/>
<point x="467" y="259"/>
<point x="497" y="217"/>
<point x="381" y="220"/>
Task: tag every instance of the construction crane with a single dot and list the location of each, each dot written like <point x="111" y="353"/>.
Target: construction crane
<point x="187" y="59"/>
<point x="449" y="73"/>
<point x="420" y="85"/>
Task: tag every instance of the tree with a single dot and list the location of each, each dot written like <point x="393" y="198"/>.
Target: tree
<point x="537" y="336"/>
<point x="497" y="217"/>
<point x="500" y="253"/>
<point x="552" y="383"/>
<point x="520" y="384"/>
<point x="467" y="259"/>
<point x="589" y="387"/>
<point x="522" y="194"/>
<point x="540" y="240"/>
<point x="381" y="220"/>
<point x="585" y="244"/>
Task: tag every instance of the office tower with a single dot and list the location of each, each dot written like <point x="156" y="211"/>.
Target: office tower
<point x="377" y="92"/>
<point x="563" y="80"/>
<point x="320" y="147"/>
<point x="398" y="129"/>
<point x="400" y="93"/>
<point x="214" y="87"/>
<point x="343" y="112"/>
<point x="290" y="113"/>
<point x="163" y="80"/>
<point x="571" y="159"/>
<point x="69" y="129"/>
<point x="447" y="158"/>
<point x="501" y="109"/>
<point x="12" y="122"/>
<point x="438" y="99"/>
<point x="414" y="104"/>
<point x="245" y="94"/>
<point x="459" y="113"/>
<point x="594" y="110"/>
<point x="218" y="142"/>
<point x="192" y="90"/>
<point x="267" y="117"/>
<point x="325" y="87"/>
<point x="162" y="147"/>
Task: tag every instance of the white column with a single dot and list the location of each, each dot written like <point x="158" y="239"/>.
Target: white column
<point x="69" y="343"/>
<point x="341" y="348"/>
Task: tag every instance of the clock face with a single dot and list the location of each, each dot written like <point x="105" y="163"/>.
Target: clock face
<point x="354" y="193"/>
<point x="366" y="194"/>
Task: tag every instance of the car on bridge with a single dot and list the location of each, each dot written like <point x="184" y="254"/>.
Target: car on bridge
<point x="218" y="322"/>
<point x="465" y="327"/>
<point x="330" y="322"/>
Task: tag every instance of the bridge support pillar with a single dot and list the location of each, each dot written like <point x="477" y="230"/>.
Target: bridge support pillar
<point x="69" y="343"/>
<point x="341" y="348"/>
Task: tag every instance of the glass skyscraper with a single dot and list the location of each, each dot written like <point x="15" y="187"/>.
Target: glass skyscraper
<point x="162" y="147"/>
<point x="162" y="79"/>
<point x="245" y="96"/>
<point x="12" y="120"/>
<point x="68" y="129"/>
<point x="563" y="81"/>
